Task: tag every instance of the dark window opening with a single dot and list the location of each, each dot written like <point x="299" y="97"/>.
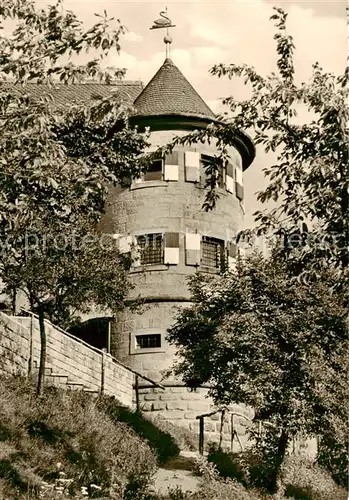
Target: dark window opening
<point x="151" y="249"/>
<point x="212" y="253"/>
<point x="154" y="172"/>
<point x="148" y="341"/>
<point x="208" y="163"/>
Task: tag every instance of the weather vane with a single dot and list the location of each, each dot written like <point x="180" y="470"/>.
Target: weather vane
<point x="164" y="22"/>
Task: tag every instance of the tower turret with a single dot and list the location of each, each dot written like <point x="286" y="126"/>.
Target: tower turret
<point x="171" y="237"/>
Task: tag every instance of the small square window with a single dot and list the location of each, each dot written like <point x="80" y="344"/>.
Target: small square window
<point x="151" y="249"/>
<point x="148" y="341"/>
<point x="212" y="253"/>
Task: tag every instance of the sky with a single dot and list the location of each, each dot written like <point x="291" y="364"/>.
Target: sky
<point x="210" y="32"/>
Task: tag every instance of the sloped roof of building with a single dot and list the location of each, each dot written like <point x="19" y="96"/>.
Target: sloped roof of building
<point x="79" y="92"/>
<point x="169" y="92"/>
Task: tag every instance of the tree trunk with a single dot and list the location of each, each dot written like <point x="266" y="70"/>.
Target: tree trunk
<point x="273" y="486"/>
<point x="41" y="377"/>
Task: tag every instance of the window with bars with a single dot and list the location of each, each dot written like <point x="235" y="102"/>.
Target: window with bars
<point x="212" y="253"/>
<point x="151" y="249"/>
<point x="207" y="163"/>
<point x="148" y="341"/>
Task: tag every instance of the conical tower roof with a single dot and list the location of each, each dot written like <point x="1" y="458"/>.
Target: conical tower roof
<point x="170" y="93"/>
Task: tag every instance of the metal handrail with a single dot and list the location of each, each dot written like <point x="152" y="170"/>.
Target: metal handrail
<point x="95" y="349"/>
<point x="233" y="431"/>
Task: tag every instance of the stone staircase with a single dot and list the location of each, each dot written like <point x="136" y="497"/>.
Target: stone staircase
<point x="63" y="381"/>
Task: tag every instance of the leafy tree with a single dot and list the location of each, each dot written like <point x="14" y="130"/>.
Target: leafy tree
<point x="64" y="274"/>
<point x="309" y="181"/>
<point x="57" y="163"/>
<point x="263" y="339"/>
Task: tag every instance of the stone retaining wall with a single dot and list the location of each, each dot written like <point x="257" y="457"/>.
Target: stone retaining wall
<point x="181" y="406"/>
<point x="66" y="355"/>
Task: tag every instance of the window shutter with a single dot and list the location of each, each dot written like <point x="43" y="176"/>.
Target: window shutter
<point x="135" y="253"/>
<point x="192" y="249"/>
<point x="230" y="182"/>
<point x="238" y="176"/>
<point x="171" y="248"/>
<point x="232" y="255"/>
<point x="192" y="166"/>
<point x="171" y="170"/>
<point x="125" y="243"/>
<point x="239" y="191"/>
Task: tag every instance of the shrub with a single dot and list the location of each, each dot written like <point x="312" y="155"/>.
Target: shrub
<point x="163" y="444"/>
<point x="215" y="488"/>
<point x="227" y="465"/>
<point x="333" y="456"/>
<point x="65" y="427"/>
<point x="305" y="480"/>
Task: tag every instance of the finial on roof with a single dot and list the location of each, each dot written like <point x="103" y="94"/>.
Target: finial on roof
<point x="164" y="22"/>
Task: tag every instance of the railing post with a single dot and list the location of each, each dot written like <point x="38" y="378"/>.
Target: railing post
<point x="103" y="365"/>
<point x="137" y="393"/>
<point x="30" y="357"/>
<point x="232" y="433"/>
<point x="221" y="430"/>
<point x="201" y="435"/>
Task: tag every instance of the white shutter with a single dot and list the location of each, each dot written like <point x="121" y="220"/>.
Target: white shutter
<point x="171" y="168"/>
<point x="192" y="249"/>
<point x="171" y="172"/>
<point x="229" y="179"/>
<point x="239" y="179"/>
<point x="135" y="253"/>
<point x="192" y="166"/>
<point x="171" y="253"/>
<point x="232" y="254"/>
<point x="125" y="243"/>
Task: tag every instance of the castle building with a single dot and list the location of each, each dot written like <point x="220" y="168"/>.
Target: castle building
<point x="162" y="224"/>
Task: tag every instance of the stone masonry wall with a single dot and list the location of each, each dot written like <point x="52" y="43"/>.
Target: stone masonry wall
<point x="66" y="355"/>
<point x="14" y="347"/>
<point x="160" y="207"/>
<point x="181" y="406"/>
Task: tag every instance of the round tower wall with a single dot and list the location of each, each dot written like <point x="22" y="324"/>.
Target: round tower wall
<point x="159" y="206"/>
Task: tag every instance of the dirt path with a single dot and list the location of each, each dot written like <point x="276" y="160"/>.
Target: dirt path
<point x="178" y="472"/>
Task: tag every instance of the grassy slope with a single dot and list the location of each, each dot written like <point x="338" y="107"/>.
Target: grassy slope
<point x="94" y="441"/>
<point x="67" y="428"/>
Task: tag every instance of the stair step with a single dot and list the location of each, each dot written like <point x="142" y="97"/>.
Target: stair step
<point x="75" y="386"/>
<point x="57" y="379"/>
<point x="92" y="392"/>
<point x="48" y="369"/>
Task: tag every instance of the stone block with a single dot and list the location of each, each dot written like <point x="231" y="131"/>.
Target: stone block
<point x="194" y="426"/>
<point x="209" y="426"/>
<point x="190" y="415"/>
<point x="175" y="405"/>
<point x="150" y="397"/>
<point x="171" y="415"/>
<point x="168" y="396"/>
<point x="199" y="406"/>
<point x="158" y="405"/>
<point x="192" y="396"/>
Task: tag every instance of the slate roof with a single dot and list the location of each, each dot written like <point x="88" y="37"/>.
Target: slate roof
<point x="80" y="92"/>
<point x="169" y="92"/>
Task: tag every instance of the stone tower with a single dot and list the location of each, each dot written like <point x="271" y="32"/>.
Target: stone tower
<point x="162" y="215"/>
